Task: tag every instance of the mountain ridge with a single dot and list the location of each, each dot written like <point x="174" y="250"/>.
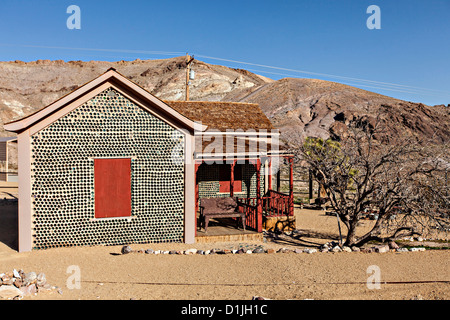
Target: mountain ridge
<point x="298" y="107"/>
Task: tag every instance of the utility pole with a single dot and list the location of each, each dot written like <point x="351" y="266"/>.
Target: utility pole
<point x="189" y="60"/>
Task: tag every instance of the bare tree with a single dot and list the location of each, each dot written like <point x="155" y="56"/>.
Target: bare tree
<point x="404" y="183"/>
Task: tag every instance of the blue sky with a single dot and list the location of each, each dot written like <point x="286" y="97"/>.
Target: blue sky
<point x="408" y="58"/>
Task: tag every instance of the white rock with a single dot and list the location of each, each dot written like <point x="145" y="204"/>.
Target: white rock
<point x="382" y="249"/>
<point x="346" y="249"/>
<point x="16" y="274"/>
<point x="336" y="249"/>
<point x="9" y="292"/>
<point x="310" y="250"/>
<point x="249" y="252"/>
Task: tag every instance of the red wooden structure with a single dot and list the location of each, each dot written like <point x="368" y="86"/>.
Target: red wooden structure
<point x="271" y="204"/>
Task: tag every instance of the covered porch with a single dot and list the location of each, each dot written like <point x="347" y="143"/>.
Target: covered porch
<point x="253" y="181"/>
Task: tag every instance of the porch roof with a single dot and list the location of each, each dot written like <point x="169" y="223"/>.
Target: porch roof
<point x="220" y="115"/>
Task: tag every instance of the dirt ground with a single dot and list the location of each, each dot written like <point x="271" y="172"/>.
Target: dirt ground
<point x="107" y="274"/>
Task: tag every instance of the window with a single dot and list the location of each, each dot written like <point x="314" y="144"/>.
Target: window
<point x="112" y="179"/>
<point x="225" y="178"/>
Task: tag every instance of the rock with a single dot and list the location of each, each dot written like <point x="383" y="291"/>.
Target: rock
<point x="200" y="252"/>
<point x="29" y="290"/>
<point x="126" y="249"/>
<point x="158" y="252"/>
<point x="419" y="239"/>
<point x="381" y="248"/>
<point x="227" y="251"/>
<point x="207" y="252"/>
<point x="30" y="278"/>
<point x="366" y="250"/>
<point x="41" y="280"/>
<point x="248" y="252"/>
<point x="47" y="286"/>
<point x="310" y="251"/>
<point x="336" y="249"/>
<point x="7" y="281"/>
<point x="259" y="298"/>
<point x="324" y="250"/>
<point x="9" y="292"/>
<point x="416" y="249"/>
<point x="16" y="274"/>
<point x="346" y="249"/>
<point x="191" y="251"/>
<point x="149" y="251"/>
<point x="393" y="245"/>
<point x="234" y="251"/>
<point x="402" y="250"/>
<point x="270" y="251"/>
<point x="356" y="249"/>
<point x="18" y="282"/>
<point x="298" y="250"/>
<point x="258" y="250"/>
<point x="172" y="252"/>
<point x="241" y="251"/>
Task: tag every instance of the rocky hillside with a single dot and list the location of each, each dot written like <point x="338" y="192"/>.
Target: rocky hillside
<point x="298" y="107"/>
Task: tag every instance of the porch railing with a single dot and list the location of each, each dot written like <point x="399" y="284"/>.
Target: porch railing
<point x="273" y="204"/>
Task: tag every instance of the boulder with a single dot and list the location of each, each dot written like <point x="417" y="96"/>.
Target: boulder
<point x="381" y="248"/>
<point x="393" y="245"/>
<point x="30" y="278"/>
<point x="336" y="249"/>
<point x="258" y="250"/>
<point x="126" y="249"/>
<point x="41" y="280"/>
<point x="9" y="292"/>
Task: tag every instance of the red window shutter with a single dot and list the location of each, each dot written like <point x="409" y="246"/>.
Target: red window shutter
<point x="112" y="179"/>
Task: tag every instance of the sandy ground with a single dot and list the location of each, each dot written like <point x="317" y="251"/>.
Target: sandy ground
<point x="106" y="274"/>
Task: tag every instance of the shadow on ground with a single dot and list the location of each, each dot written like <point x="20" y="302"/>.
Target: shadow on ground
<point x="302" y="238"/>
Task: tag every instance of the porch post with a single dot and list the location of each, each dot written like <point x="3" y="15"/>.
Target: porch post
<point x="232" y="178"/>
<point x="291" y="186"/>
<point x="197" y="165"/>
<point x="270" y="174"/>
<point x="258" y="196"/>
<point x="278" y="176"/>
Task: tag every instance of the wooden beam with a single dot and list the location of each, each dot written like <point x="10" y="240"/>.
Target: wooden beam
<point x="232" y="165"/>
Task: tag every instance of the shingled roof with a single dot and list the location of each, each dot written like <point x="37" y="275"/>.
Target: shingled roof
<point x="223" y="115"/>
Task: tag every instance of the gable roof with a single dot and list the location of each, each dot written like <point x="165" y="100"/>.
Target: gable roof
<point x="220" y="115"/>
<point x="114" y="77"/>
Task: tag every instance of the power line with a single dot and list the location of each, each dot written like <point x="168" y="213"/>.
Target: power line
<point x="388" y="84"/>
<point x="351" y="80"/>
<point x="348" y="83"/>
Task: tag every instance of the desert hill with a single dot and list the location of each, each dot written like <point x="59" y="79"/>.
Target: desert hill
<point x="298" y="107"/>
